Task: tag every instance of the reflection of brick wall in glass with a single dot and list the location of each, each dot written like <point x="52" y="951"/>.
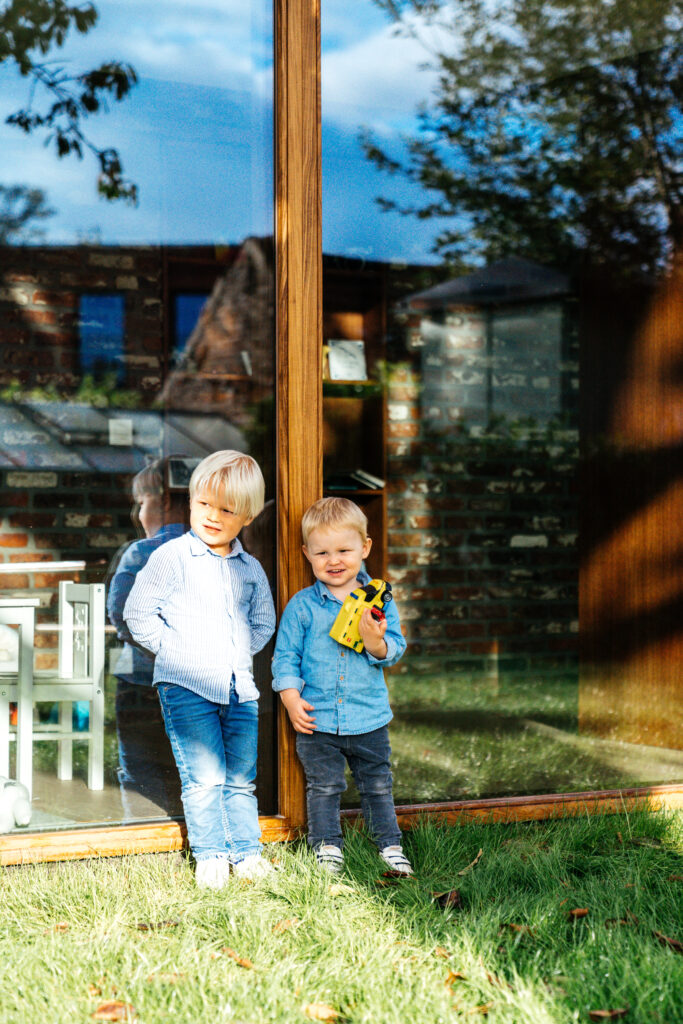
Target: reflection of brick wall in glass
<point x="71" y="311"/>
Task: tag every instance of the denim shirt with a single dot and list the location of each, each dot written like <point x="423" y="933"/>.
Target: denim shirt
<point x="134" y="664"/>
<point x="203" y="615"/>
<point x="345" y="687"/>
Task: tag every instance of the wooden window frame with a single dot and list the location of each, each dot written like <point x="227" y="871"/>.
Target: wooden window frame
<point x="298" y="232"/>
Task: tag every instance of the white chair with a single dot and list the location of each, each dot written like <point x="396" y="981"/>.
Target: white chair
<point x="17" y="622"/>
<point x="80" y="677"/>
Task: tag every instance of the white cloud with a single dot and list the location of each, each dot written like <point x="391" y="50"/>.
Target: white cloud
<point x="379" y="80"/>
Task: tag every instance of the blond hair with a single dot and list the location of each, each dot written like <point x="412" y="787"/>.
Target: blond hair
<point x="149" y="480"/>
<point x="335" y="514"/>
<point x="234" y="478"/>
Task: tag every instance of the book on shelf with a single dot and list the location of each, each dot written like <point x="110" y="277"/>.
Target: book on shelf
<point x="365" y="479"/>
<point x="354" y="480"/>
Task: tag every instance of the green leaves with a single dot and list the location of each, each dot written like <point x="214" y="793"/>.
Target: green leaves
<point x="59" y="103"/>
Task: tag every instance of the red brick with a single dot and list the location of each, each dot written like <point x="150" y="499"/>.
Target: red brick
<point x="10" y="500"/>
<point x="46" y="640"/>
<point x="47" y="661"/>
<point x="13" y="581"/>
<point x="32" y="519"/>
<point x="13" y="540"/>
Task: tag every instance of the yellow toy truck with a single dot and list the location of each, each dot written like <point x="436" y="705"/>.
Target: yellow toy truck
<point x="373" y="595"/>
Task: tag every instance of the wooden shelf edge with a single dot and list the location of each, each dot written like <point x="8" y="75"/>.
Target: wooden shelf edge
<point x="538" y="808"/>
<point x="117" y="841"/>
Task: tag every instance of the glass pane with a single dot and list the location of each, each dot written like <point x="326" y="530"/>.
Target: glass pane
<point x="501" y="231"/>
<point x="136" y="324"/>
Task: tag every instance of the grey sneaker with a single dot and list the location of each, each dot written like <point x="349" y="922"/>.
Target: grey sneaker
<point x="331" y="858"/>
<point x="396" y="859"/>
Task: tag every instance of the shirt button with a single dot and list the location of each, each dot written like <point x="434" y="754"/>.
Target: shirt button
<point x="341" y="677"/>
<point x="339" y="701"/>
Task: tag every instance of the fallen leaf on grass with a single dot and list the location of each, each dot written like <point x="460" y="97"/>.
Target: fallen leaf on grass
<point x="320" y="1011"/>
<point x="340" y="889"/>
<point x="452" y="977"/>
<point x="241" y="961"/>
<point x="608" y="1014"/>
<point x="484" y="1008"/>
<point x="284" y="926"/>
<point x="155" y="926"/>
<point x="675" y="878"/>
<point x="522" y="929"/>
<point x="667" y="941"/>
<point x="577" y="913"/>
<point x="383" y="883"/>
<point x="442" y="953"/>
<point x="471" y="865"/>
<point x="449" y="898"/>
<point x="114" y="1011"/>
<point x="494" y="980"/>
<point x="614" y="922"/>
<point x="62" y="926"/>
<point x="167" y="977"/>
<point x="399" y="874"/>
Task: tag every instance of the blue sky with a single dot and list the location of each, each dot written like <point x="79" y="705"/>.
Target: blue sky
<point x="196" y="133"/>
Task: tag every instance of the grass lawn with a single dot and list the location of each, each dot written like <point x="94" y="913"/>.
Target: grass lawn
<point x="137" y="933"/>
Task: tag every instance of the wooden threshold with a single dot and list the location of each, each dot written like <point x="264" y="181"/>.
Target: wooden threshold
<point x="538" y="808"/>
<point x="117" y="841"/>
<point x="168" y="836"/>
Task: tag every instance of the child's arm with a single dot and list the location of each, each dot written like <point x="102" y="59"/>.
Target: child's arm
<point x="383" y="641"/>
<point x="287" y="680"/>
<point x="148" y="597"/>
<point x="261" y="612"/>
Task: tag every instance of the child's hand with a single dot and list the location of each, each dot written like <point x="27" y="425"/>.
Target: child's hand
<point x="372" y="634"/>
<point x="297" y="709"/>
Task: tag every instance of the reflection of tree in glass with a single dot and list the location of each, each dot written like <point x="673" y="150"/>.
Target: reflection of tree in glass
<point x="20" y="208"/>
<point x="29" y="29"/>
<point x="556" y="130"/>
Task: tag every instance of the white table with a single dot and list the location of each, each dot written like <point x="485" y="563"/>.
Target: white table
<point x="18" y="686"/>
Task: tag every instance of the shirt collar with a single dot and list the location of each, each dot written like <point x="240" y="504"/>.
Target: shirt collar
<point x="198" y="547"/>
<point x="323" y="593"/>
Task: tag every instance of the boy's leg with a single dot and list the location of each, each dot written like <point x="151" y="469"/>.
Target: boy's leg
<point x="324" y="765"/>
<point x="239" y="724"/>
<point x="194" y="730"/>
<point x="369" y="757"/>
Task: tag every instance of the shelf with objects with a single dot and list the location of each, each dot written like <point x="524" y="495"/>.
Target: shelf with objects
<point x="354" y="401"/>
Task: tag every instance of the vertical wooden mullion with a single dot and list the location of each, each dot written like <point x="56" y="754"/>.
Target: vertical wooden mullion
<point x="298" y="248"/>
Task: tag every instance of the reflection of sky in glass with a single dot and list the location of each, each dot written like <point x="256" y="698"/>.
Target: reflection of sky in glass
<point x="186" y="309"/>
<point x="196" y="132"/>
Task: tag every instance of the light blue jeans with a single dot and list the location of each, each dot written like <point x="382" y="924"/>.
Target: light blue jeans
<point x="214" y="746"/>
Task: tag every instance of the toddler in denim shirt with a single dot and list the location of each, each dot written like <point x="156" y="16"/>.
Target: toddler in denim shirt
<point x="335" y="696"/>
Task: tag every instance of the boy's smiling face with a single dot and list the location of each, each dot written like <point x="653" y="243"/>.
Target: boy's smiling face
<point x="336" y="555"/>
<point x="216" y="524"/>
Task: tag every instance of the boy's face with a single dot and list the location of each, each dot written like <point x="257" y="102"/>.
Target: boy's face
<point x="217" y="525"/>
<point x="150" y="513"/>
<point x="336" y="556"/>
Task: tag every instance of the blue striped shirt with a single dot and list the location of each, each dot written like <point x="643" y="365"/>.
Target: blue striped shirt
<point x="203" y="616"/>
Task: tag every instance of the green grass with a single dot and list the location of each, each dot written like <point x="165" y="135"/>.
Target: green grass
<point x="463" y="738"/>
<point x="70" y="936"/>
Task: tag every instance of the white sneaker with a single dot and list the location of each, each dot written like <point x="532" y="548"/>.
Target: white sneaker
<point x="212" y="873"/>
<point x="252" y="867"/>
<point x="330" y="857"/>
<point x="396" y="859"/>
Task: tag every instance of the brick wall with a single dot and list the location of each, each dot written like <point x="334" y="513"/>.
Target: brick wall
<point x="482" y="509"/>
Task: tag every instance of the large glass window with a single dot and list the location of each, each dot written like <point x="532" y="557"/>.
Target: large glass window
<point x="501" y="231"/>
<point x="136" y="325"/>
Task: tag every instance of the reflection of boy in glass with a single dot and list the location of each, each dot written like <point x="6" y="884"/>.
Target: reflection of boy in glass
<point x="146" y="764"/>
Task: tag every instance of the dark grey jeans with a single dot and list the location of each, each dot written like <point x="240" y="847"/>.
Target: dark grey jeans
<point x="323" y="756"/>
